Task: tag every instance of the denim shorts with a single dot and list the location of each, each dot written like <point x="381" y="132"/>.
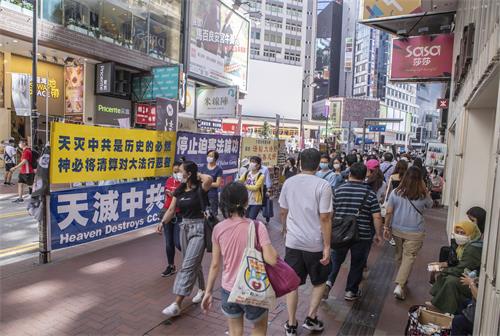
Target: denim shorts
<point x="235" y="310"/>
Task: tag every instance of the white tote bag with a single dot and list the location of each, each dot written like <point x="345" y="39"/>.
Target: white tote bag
<point x="252" y="286"/>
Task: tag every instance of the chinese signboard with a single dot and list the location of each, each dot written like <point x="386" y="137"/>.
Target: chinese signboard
<point x="194" y="147"/>
<point x="166" y="82"/>
<point x="145" y="114"/>
<point x="110" y="110"/>
<point x="166" y="114"/>
<point x="73" y="93"/>
<point x="105" y="77"/>
<point x="79" y="216"/>
<point x="216" y="103"/>
<point x="210" y="125"/>
<point x="348" y="54"/>
<point x="373" y="9"/>
<point x="90" y="153"/>
<point x="426" y="57"/>
<point x="142" y="88"/>
<point x="266" y="149"/>
<point x="219" y="43"/>
<point x="436" y="154"/>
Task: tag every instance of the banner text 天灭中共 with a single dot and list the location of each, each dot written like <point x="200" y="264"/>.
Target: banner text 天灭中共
<point x="83" y="215"/>
<point x="82" y="153"/>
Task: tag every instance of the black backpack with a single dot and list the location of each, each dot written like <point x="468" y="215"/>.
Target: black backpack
<point x="345" y="230"/>
<point x="35" y="155"/>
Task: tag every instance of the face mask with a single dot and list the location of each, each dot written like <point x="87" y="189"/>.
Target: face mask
<point x="253" y="166"/>
<point x="178" y="176"/>
<point x="336" y="166"/>
<point x="461" y="239"/>
<point x="210" y="159"/>
<point x="405" y="159"/>
<point x="323" y="166"/>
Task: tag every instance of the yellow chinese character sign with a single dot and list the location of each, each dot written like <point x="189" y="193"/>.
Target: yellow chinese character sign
<point x="266" y="149"/>
<point x="90" y="153"/>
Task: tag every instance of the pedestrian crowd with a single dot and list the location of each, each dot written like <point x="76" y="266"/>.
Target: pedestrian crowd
<point x="331" y="205"/>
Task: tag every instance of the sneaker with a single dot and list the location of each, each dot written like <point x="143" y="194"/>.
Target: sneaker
<point x="172" y="311"/>
<point x="351" y="296"/>
<point x="313" y="324"/>
<point x="326" y="293"/>
<point x="169" y="271"/>
<point x="291" y="330"/>
<point x="199" y="296"/>
<point x="18" y="200"/>
<point x="399" y="293"/>
<point x="392" y="242"/>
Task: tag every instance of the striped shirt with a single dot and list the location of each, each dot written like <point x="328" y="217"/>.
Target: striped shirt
<point x="347" y="199"/>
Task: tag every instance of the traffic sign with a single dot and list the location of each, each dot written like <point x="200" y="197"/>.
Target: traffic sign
<point x="376" y="128"/>
<point x="442" y="103"/>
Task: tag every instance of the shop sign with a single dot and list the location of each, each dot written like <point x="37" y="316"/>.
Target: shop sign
<point x="110" y="110"/>
<point x="216" y="103"/>
<point x="210" y="125"/>
<point x="219" y="43"/>
<point x="348" y="54"/>
<point x="436" y="155"/>
<point x="442" y="103"/>
<point x="194" y="147"/>
<point x="145" y="114"/>
<point x="105" y="73"/>
<point x="374" y="9"/>
<point x="422" y="58"/>
<point x="89" y="214"/>
<point x="266" y="149"/>
<point x="81" y="153"/>
<point x="73" y="93"/>
<point x="166" y="114"/>
<point x="166" y="82"/>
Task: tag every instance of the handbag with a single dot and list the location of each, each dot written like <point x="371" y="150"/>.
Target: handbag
<point x="345" y="229"/>
<point x="252" y="286"/>
<point x="209" y="221"/>
<point x="283" y="277"/>
<point x="425" y="322"/>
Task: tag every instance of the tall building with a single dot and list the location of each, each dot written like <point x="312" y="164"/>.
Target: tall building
<point x="350" y="13"/>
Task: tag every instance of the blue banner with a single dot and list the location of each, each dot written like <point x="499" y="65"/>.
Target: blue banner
<point x="194" y="147"/>
<point x="83" y="215"/>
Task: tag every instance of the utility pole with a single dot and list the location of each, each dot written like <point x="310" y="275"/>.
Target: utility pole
<point x="34" y="111"/>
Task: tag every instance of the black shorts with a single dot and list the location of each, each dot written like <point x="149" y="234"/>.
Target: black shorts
<point x="307" y="263"/>
<point x="27" y="178"/>
<point x="9" y="166"/>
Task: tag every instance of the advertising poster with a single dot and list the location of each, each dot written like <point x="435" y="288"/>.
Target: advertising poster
<point x="73" y="93"/>
<point x="110" y="110"/>
<point x="166" y="82"/>
<point x="21" y="94"/>
<point x="216" y="103"/>
<point x="166" y="114"/>
<point x="90" y="153"/>
<point x="426" y="57"/>
<point x="145" y="114"/>
<point x="219" y="43"/>
<point x="436" y="155"/>
<point x="79" y="216"/>
<point x="266" y="149"/>
<point x="194" y="147"/>
<point x="373" y="9"/>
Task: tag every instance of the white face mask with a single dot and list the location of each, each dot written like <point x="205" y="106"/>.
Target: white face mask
<point x="252" y="166"/>
<point x="336" y="166"/>
<point x="461" y="239"/>
<point x="178" y="176"/>
<point x="210" y="159"/>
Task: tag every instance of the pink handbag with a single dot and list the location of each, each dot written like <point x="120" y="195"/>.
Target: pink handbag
<point x="282" y="277"/>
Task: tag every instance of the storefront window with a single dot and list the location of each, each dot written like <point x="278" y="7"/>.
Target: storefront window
<point x="52" y="10"/>
<point x="82" y="16"/>
<point x="165" y="29"/>
<point x="140" y="25"/>
<point x="116" y="23"/>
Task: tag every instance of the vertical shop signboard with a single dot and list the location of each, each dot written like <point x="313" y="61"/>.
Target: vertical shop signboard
<point x="73" y="93"/>
<point x="266" y="149"/>
<point x="105" y="77"/>
<point x="166" y="114"/>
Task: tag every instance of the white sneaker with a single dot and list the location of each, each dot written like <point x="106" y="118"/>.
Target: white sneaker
<point x="172" y="310"/>
<point x="399" y="293"/>
<point x="199" y="296"/>
<point x="392" y="242"/>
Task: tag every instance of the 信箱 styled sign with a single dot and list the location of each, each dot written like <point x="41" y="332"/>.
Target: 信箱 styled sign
<point x="216" y="103"/>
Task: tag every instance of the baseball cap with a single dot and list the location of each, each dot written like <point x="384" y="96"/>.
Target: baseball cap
<point x="372" y="164"/>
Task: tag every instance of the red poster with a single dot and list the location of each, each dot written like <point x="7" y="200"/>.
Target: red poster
<point x="426" y="57"/>
<point x="145" y="115"/>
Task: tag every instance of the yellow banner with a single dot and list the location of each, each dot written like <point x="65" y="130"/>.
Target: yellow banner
<point x="266" y="149"/>
<point x="377" y="9"/>
<point x="90" y="153"/>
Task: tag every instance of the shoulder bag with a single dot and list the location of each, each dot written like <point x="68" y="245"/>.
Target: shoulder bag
<point x="416" y="209"/>
<point x="345" y="229"/>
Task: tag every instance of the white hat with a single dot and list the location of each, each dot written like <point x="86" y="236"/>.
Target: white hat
<point x="245" y="162"/>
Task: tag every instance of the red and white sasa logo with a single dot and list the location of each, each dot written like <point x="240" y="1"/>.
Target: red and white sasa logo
<point x="423" y="51"/>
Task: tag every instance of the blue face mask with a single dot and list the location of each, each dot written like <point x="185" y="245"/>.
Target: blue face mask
<point x="323" y="166"/>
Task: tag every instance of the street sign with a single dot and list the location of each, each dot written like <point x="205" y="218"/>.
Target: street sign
<point x="442" y="103"/>
<point x="376" y="128"/>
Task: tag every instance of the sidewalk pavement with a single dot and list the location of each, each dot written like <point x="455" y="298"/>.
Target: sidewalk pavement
<point x="117" y="290"/>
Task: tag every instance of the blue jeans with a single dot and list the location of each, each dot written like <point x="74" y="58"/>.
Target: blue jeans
<point x="253" y="211"/>
<point x="359" y="254"/>
<point x="235" y="310"/>
<point x="461" y="326"/>
<point x="171" y="234"/>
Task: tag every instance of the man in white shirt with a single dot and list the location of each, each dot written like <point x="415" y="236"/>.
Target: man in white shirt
<point x="306" y="210"/>
<point x="10" y="159"/>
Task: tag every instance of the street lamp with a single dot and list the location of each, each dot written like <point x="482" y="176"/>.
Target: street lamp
<point x="301" y="130"/>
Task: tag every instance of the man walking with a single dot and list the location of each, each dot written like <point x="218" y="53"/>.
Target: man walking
<point x="10" y="156"/>
<point x="387" y="166"/>
<point x="27" y="173"/>
<point x="306" y="209"/>
<point x="351" y="198"/>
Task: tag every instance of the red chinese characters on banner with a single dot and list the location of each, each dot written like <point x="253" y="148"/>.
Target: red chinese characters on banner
<point x="145" y="115"/>
<point x="426" y="57"/>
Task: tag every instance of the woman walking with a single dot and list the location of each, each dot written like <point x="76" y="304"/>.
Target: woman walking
<point x="229" y="241"/>
<point x="189" y="198"/>
<point x="405" y="222"/>
<point x="254" y="182"/>
<point x="215" y="172"/>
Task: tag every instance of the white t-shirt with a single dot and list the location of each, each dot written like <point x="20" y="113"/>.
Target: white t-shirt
<point x="11" y="154"/>
<point x="305" y="197"/>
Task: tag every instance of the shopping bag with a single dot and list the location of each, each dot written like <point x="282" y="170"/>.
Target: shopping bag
<point x="425" y="322"/>
<point x="268" y="210"/>
<point x="252" y="286"/>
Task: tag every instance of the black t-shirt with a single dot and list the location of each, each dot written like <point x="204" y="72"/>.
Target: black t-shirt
<point x="188" y="202"/>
